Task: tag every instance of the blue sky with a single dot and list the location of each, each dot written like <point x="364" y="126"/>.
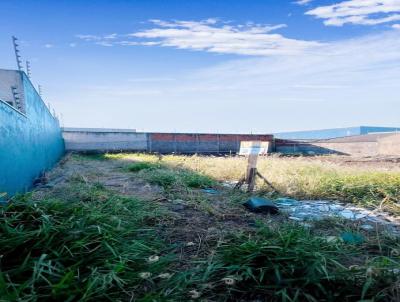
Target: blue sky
<point x="219" y="66"/>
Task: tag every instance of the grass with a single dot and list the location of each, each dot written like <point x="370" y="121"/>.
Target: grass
<point x="168" y="178"/>
<point x="82" y="242"/>
<point x="290" y="263"/>
<point x="139" y="166"/>
<point x="295" y="177"/>
<point x="88" y="244"/>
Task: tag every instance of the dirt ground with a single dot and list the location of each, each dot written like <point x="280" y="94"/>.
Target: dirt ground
<point x="382" y="163"/>
<point x="195" y="215"/>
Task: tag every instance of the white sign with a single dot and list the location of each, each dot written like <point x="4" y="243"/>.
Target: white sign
<point x="253" y="147"/>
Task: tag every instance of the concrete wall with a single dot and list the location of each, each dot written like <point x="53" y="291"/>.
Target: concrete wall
<point x="389" y="145"/>
<point x="360" y="145"/>
<point x="30" y="141"/>
<point x="9" y="79"/>
<point x="107" y="140"/>
<point x="355" y="148"/>
<point x="190" y="143"/>
<point x="334" y="133"/>
<point x="185" y="143"/>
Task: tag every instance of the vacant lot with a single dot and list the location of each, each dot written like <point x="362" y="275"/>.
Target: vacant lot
<point x="135" y="227"/>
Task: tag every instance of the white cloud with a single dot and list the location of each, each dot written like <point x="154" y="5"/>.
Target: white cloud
<point x="90" y="38"/>
<point x="396" y="26"/>
<point x="72" y="44"/>
<point x="361" y="12"/>
<point x="329" y="86"/>
<point x="211" y="36"/>
<point x="104" y="43"/>
<point x="147" y="80"/>
<point x="303" y="2"/>
<point x="334" y="72"/>
<point x="48" y="46"/>
<point x="249" y="39"/>
<point x="110" y="36"/>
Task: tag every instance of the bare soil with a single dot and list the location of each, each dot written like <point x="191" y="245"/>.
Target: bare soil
<point x="197" y="221"/>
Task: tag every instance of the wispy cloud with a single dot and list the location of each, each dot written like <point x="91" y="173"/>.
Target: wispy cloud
<point x="334" y="72"/>
<point x="319" y="86"/>
<point x="90" y="38"/>
<point x="149" y="80"/>
<point x="212" y="36"/>
<point x="48" y="45"/>
<point x="249" y="39"/>
<point x="329" y="86"/>
<point x="303" y="2"/>
<point x="362" y="12"/>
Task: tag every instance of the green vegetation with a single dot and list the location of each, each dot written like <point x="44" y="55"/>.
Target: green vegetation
<point x="168" y="178"/>
<point x="161" y="177"/>
<point x="86" y="244"/>
<point x="290" y="263"/>
<point x="295" y="177"/>
<point x="139" y="166"/>
<point x="80" y="241"/>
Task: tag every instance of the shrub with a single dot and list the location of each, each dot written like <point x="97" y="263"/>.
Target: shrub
<point x="161" y="177"/>
<point x="139" y="166"/>
<point x="193" y="180"/>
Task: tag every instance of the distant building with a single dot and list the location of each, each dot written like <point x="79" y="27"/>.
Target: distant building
<point x="333" y="133"/>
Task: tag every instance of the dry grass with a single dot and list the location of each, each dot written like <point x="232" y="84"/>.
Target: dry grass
<point x="299" y="177"/>
<point x="83" y="239"/>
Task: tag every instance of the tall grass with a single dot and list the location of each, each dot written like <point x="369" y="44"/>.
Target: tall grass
<point x="296" y="177"/>
<point x="85" y="244"/>
<point x="81" y="242"/>
<point x="290" y="263"/>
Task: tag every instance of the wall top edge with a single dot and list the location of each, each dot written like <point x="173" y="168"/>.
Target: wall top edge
<point x="100" y="130"/>
<point x="13" y="108"/>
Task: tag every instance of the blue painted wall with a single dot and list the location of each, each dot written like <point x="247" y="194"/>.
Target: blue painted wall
<point x="30" y="143"/>
<point x="333" y="133"/>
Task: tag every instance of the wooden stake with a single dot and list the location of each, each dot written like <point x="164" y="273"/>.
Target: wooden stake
<point x="252" y="173"/>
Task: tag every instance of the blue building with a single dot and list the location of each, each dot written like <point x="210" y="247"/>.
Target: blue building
<point x="335" y="132"/>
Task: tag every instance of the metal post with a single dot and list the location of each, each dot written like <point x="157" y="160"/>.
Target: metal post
<point x="17" y="56"/>
<point x="28" y="69"/>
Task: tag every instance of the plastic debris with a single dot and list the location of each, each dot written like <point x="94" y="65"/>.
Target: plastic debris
<point x="352" y="238"/>
<point x="314" y="210"/>
<point x="333" y="239"/>
<point x="347" y="214"/>
<point x="210" y="191"/>
<point x="261" y="205"/>
<point x="286" y="202"/>
<point x="367" y="227"/>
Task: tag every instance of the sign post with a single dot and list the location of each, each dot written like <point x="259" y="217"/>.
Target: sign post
<point x="252" y="149"/>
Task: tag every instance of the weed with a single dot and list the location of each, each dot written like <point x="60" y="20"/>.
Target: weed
<point x="90" y="156"/>
<point x="295" y="177"/>
<point x="289" y="263"/>
<point x="139" y="166"/>
<point x="87" y="245"/>
<point x="194" y="180"/>
<point x="80" y="241"/>
<point x="161" y="177"/>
